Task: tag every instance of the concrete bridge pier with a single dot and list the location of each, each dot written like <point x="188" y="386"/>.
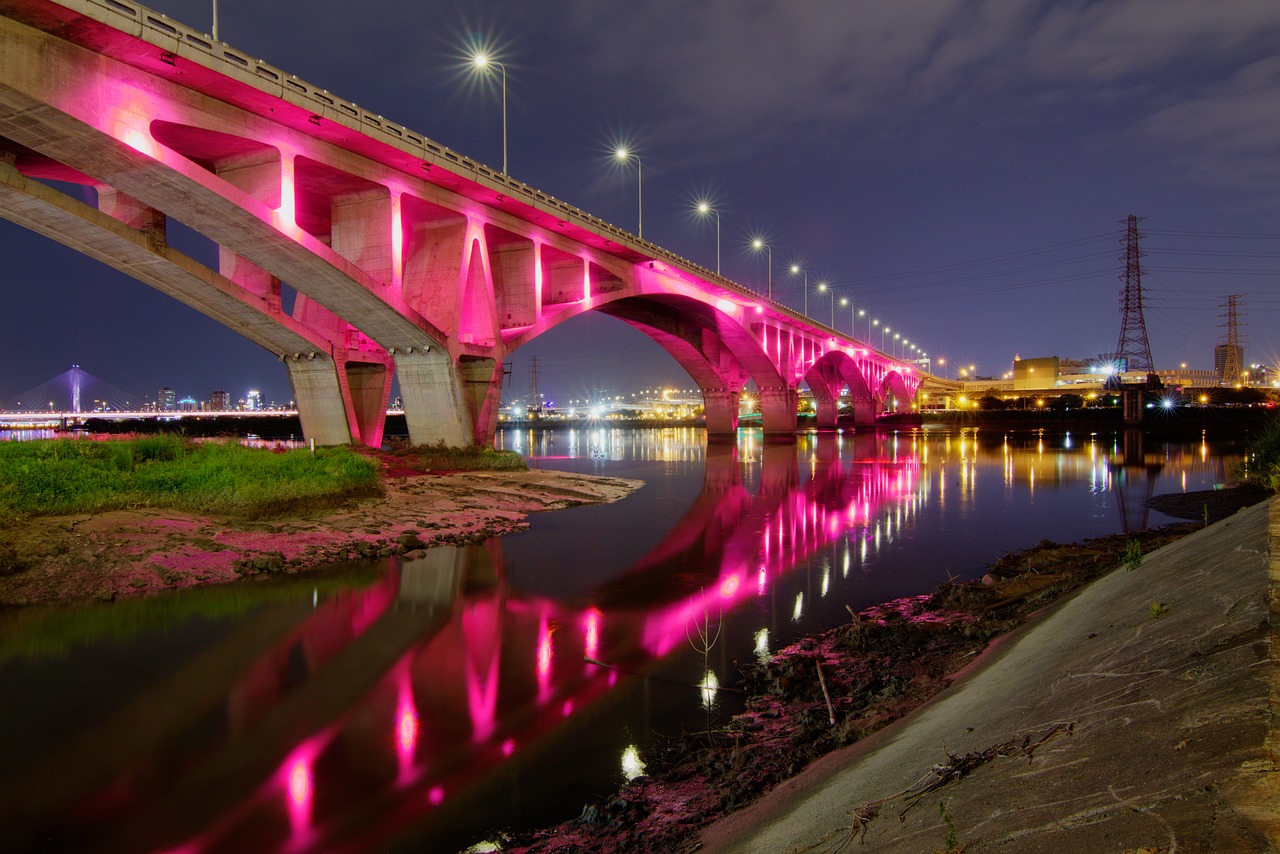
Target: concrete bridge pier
<point x="482" y="385"/>
<point x="721" y="408"/>
<point x="778" y="412"/>
<point x="827" y="410"/>
<point x="339" y="404"/>
<point x="864" y="411"/>
<point x="435" y="403"/>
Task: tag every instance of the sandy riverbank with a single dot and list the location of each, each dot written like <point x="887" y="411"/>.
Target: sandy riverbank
<point x="125" y="552"/>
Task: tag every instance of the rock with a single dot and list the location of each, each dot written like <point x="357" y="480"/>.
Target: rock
<point x="409" y="541"/>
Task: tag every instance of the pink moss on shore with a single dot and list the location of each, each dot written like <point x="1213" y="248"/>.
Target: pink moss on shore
<point x="123" y="552"/>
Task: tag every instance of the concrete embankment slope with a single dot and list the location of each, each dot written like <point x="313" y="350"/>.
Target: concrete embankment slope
<point x="1140" y="715"/>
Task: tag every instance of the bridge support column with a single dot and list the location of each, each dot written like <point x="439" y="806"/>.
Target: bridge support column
<point x="721" y="408"/>
<point x="827" y="411"/>
<point x="482" y="382"/>
<point x="134" y="214"/>
<point x="317" y="393"/>
<point x="435" y="406"/>
<point x="778" y="411"/>
<point x="864" y="411"/>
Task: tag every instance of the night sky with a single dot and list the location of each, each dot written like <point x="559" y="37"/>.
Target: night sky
<point x="961" y="170"/>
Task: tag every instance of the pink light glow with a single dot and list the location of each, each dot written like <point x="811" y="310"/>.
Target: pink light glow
<point x="299" y="788"/>
<point x="591" y="628"/>
<point x="730" y="585"/>
<point x="543" y="665"/>
<point x="435" y="797"/>
<point x="759" y="309"/>
<point x="509" y="747"/>
<point x="567" y="708"/>
<point x="406" y="732"/>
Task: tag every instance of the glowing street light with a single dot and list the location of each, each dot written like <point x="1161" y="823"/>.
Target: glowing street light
<point x="705" y="208"/>
<point x="797" y="270"/>
<point x="853" y="316"/>
<point x="862" y="312"/>
<point x="758" y="244"/>
<point x="482" y="61"/>
<point x="825" y="288"/>
<point x="625" y="155"/>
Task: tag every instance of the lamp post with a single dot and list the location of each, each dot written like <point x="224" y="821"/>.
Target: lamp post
<point x="862" y="312"/>
<point x="705" y="209"/>
<point x="796" y="270"/>
<point x="623" y="154"/>
<point x="215" y="20"/>
<point x="883" y="331"/>
<point x="482" y="61"/>
<point x="896" y="337"/>
<point x="853" y="316"/>
<point x="823" y="287"/>
<point x="757" y="244"/>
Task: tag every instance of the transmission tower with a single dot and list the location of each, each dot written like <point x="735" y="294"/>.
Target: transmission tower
<point x="1133" y="348"/>
<point x="535" y="399"/>
<point x="1231" y="362"/>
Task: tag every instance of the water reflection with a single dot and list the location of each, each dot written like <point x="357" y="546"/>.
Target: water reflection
<point x="356" y="718"/>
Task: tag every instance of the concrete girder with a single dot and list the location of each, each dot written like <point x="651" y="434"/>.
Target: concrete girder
<point x="139" y="254"/>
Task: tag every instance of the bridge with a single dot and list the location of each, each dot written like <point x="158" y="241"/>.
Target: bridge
<point x="401" y="255"/>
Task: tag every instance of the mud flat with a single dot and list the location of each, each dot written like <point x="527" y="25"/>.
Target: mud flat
<point x="126" y="552"/>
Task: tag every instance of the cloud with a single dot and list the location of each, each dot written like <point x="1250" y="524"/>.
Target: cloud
<point x="737" y="77"/>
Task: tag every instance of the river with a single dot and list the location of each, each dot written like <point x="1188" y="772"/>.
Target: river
<point x="431" y="704"/>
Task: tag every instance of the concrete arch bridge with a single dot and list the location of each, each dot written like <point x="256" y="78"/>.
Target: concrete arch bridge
<point x="352" y="247"/>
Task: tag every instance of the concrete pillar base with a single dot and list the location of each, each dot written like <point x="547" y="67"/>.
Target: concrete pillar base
<point x="778" y="411"/>
<point x="721" y="408"/>
<point x="482" y="383"/>
<point x="864" y="411"/>
<point x="317" y="393"/>
<point x="435" y="405"/>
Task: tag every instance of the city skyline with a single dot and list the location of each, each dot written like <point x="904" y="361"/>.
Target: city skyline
<point x="959" y="171"/>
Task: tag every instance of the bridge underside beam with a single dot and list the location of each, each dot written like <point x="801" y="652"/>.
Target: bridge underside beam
<point x="332" y="408"/>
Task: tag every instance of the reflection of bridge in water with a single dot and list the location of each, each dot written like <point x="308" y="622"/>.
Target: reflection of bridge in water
<point x="350" y="721"/>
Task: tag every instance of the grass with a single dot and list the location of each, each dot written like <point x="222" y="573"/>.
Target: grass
<point x="1263" y="467"/>
<point x="68" y="476"/>
<point x="442" y="458"/>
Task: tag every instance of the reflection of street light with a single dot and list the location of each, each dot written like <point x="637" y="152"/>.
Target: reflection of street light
<point x="823" y="288"/>
<point x="482" y="61"/>
<point x="623" y="154"/>
<point x="757" y="244"/>
<point x="796" y="270"/>
<point x="704" y="208"/>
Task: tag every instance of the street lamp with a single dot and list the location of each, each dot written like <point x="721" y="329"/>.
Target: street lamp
<point x="757" y="244"/>
<point x="482" y="61"/>
<point x="862" y="312"/>
<point x="853" y="316"/>
<point x="624" y="155"/>
<point x="824" y="288"/>
<point x="883" y="331"/>
<point x="896" y="337"/>
<point x="704" y="209"/>
<point x="797" y="270"/>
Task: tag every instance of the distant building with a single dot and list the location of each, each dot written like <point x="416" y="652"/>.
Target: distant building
<point x="187" y="404"/>
<point x="253" y="400"/>
<point x="220" y="401"/>
<point x="167" y="400"/>
<point x="1224" y="364"/>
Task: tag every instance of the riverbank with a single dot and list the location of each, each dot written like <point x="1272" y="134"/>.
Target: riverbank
<point x="125" y="552"/>
<point x="832" y="691"/>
